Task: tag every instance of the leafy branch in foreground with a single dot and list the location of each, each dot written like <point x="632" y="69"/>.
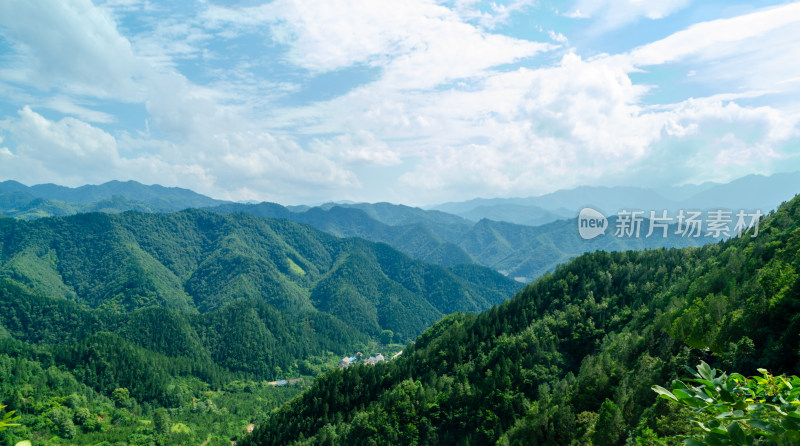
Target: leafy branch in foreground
<point x="736" y="410"/>
<point x="8" y="421"/>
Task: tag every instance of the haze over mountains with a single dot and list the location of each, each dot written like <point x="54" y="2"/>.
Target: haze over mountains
<point x="750" y="192"/>
<point x="521" y="237"/>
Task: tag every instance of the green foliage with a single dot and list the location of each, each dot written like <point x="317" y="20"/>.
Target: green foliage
<point x="121" y="397"/>
<point x="61" y="417"/>
<point x="161" y="422"/>
<point x="386" y="337"/>
<point x="572" y="358"/>
<point x="8" y="420"/>
<point x="736" y="410"/>
<point x="608" y="428"/>
<point x="46" y="398"/>
<point x="196" y="261"/>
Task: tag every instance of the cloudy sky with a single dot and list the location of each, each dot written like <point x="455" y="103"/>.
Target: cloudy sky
<point x="411" y="101"/>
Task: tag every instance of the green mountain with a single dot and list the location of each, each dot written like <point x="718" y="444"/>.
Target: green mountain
<point x="518" y="251"/>
<point x="107" y="320"/>
<point x="572" y="358"/>
<point x="198" y="261"/>
<point x="47" y="200"/>
<point x="414" y="239"/>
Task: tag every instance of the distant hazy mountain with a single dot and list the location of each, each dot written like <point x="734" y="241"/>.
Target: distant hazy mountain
<point x="398" y="214"/>
<point x="45" y="200"/>
<point x="750" y="193"/>
<point x="517" y="213"/>
<point x="559" y="204"/>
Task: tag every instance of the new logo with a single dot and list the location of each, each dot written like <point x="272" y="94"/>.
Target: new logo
<point x="591" y="223"/>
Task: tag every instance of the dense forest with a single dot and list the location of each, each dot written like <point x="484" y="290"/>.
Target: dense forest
<point x="111" y="322"/>
<point x="519" y="250"/>
<point x="176" y="328"/>
<point x="573" y="358"/>
<point x="198" y="261"/>
<point x="524" y="252"/>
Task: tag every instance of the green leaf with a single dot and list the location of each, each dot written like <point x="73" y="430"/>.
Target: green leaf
<point x="664" y="393"/>
<point x="705" y="371"/>
<point x="736" y="433"/>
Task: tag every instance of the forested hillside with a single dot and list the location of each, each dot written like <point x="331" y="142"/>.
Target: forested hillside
<point x="48" y="200"/>
<point x="197" y="261"/>
<point x="107" y="318"/>
<point x="519" y="251"/>
<point x="572" y="358"/>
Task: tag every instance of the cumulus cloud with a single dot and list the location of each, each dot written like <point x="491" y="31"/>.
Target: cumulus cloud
<point x="69" y="46"/>
<point x="583" y="122"/>
<point x="418" y="43"/>
<point x="455" y="109"/>
<point x="68" y="151"/>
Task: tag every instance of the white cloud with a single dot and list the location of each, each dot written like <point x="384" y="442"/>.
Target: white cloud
<point x="497" y="14"/>
<point x="721" y="38"/>
<point x="582" y="122"/>
<point x="67" y="106"/>
<point x="358" y="148"/>
<point x="418" y="43"/>
<point x="557" y="37"/>
<point x="64" y="150"/>
<point x="613" y="14"/>
<point x="69" y="46"/>
<point x="444" y="109"/>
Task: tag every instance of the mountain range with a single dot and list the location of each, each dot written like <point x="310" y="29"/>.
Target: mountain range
<point x="576" y="356"/>
<point x="46" y="200"/>
<point x="518" y="251"/>
<point x="198" y="261"/>
<point x="164" y="327"/>
<point x="495" y="239"/>
<point x="749" y="193"/>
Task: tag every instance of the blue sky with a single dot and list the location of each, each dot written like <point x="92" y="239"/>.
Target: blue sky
<point x="410" y="101"/>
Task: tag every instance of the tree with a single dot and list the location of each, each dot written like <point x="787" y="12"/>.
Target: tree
<point x="735" y="410"/>
<point x="161" y="422"/>
<point x="121" y="397"/>
<point x="62" y="420"/>
<point x="608" y="429"/>
<point x="386" y="337"/>
<point x="82" y="416"/>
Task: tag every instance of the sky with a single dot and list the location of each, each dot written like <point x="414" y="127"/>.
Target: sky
<point x="411" y="101"/>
